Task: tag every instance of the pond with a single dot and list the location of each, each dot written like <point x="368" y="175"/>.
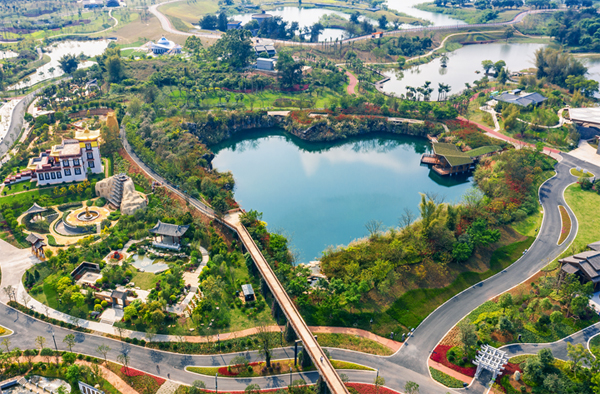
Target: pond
<point x="306" y="17"/>
<point x="322" y="194"/>
<point x="407" y="7"/>
<point x="462" y="66"/>
<point x="146" y="264"/>
<point x="56" y="51"/>
<point x="8" y="54"/>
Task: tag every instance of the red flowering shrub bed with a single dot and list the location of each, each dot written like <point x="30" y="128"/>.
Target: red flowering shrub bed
<point x="439" y="355"/>
<point x="364" y="388"/>
<point x="130" y="372"/>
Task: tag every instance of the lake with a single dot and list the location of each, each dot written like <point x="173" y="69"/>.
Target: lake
<point x="322" y="194"/>
<point x="306" y="17"/>
<point x="407" y="7"/>
<point x="462" y="66"/>
<point x="593" y="65"/>
<point x="56" y="51"/>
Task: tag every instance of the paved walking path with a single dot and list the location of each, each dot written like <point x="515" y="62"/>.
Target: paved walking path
<point x="353" y="82"/>
<point x="555" y="153"/>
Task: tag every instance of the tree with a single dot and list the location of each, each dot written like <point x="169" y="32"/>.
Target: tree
<point x="546" y="357"/>
<point x="30" y="354"/>
<point x="509" y="32"/>
<point x="234" y="47"/>
<point x="73" y="373"/>
<point x="411" y="388"/>
<point x="40" y="341"/>
<point x="123" y="358"/>
<point x="208" y="22"/>
<point x="252" y="389"/>
<point x="68" y="63"/>
<point x="197" y="387"/>
<point x="266" y="341"/>
<point x="487" y="65"/>
<point x="69" y="340"/>
<point x="382" y="22"/>
<point x="120" y="328"/>
<point x="103" y="350"/>
<point x="6" y="344"/>
<point x="505" y="325"/>
<point x="379" y="381"/>
<point x="289" y="71"/>
<point x="505" y="301"/>
<point x="222" y="22"/>
<point x="354" y="17"/>
<point x="47" y="353"/>
<point x="578" y="355"/>
<point x="556" y="317"/>
<point x="373" y="227"/>
<point x="468" y="336"/>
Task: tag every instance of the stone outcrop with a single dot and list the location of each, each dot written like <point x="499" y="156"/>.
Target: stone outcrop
<point x="120" y="191"/>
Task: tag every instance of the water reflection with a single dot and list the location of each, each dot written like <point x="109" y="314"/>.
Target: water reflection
<point x="324" y="192"/>
<point x="462" y="67"/>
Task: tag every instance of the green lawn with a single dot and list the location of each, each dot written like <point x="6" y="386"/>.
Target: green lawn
<point x="595" y="345"/>
<point x="145" y="280"/>
<point x="580" y="174"/>
<point x="285" y="366"/>
<point x="415" y="305"/>
<point x="47" y="193"/>
<point x="19" y="187"/>
<point x="585" y="206"/>
<point x="445" y="379"/>
<point x="352" y="342"/>
<point x="529" y="225"/>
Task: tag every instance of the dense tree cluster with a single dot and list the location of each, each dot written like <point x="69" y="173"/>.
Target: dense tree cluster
<point x="580" y="30"/>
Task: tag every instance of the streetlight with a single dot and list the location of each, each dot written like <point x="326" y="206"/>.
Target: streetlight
<point x="290" y="376"/>
<point x="216" y="383"/>
<point x="282" y="337"/>
<point x="55" y="347"/>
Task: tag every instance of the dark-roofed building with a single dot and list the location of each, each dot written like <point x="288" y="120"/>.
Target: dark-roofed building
<point x="585" y="265"/>
<point x="234" y="25"/>
<point x="118" y="295"/>
<point x="37" y="245"/>
<point x="248" y="292"/>
<point x="447" y="159"/>
<point x="170" y="235"/>
<point x="523" y="99"/>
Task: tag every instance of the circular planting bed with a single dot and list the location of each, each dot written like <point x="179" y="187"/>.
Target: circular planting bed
<point x="87" y="216"/>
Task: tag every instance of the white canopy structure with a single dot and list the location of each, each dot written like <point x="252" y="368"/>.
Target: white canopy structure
<point x="491" y="359"/>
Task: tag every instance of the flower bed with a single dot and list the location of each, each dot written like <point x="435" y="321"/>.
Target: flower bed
<point x="364" y="388"/>
<point x="503" y="381"/>
<point x="226" y="371"/>
<point x="131" y="372"/>
<point x="566" y="224"/>
<point x="439" y="355"/>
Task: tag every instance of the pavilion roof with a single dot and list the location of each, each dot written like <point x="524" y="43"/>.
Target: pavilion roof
<point x="172" y="230"/>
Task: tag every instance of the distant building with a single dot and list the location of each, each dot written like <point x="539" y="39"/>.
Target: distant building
<point x="68" y="162"/>
<point x="522" y="99"/>
<point x="93" y="3"/>
<point x="234" y="25"/>
<point x="265" y="64"/>
<point x="248" y="293"/>
<point x="260" y="18"/>
<point x="447" y="159"/>
<point x="268" y="50"/>
<point x="170" y="235"/>
<point x="585" y="265"/>
<point x="165" y="46"/>
<point x="377" y="34"/>
<point x="586" y="117"/>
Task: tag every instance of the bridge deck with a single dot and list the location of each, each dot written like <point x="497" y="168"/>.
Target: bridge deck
<point x="311" y="345"/>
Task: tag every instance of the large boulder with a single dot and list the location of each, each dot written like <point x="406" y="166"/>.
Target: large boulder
<point x="131" y="200"/>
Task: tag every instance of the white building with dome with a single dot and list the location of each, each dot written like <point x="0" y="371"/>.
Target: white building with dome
<point x="165" y="46"/>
